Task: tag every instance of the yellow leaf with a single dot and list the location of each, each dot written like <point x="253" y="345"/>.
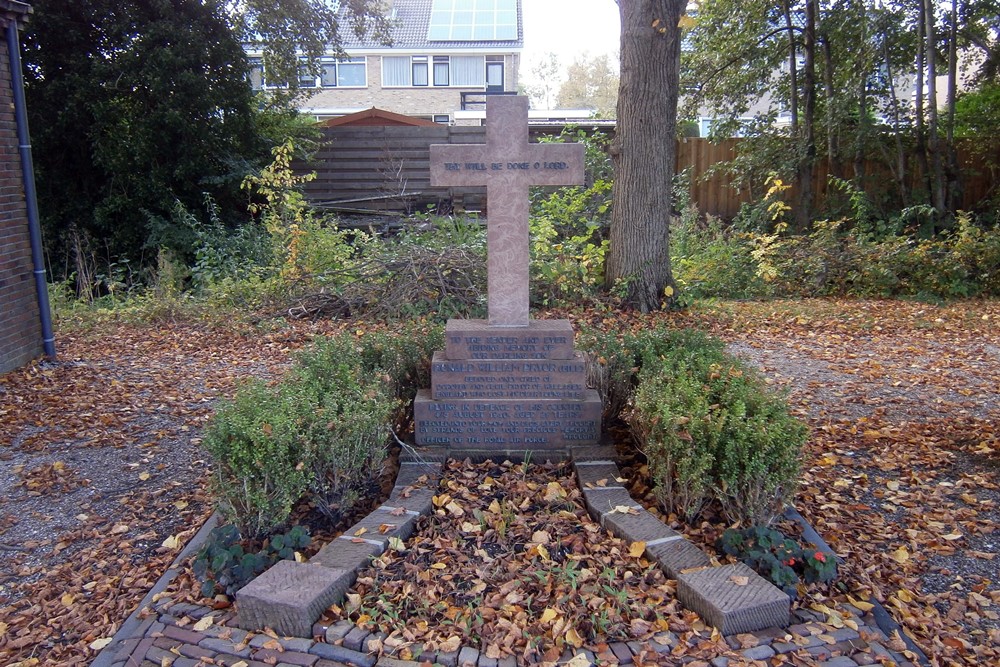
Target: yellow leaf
<point x="67" y="599"/>
<point x="469" y="527"/>
<point x="573" y="639"/>
<point x="180" y="504"/>
<point x="204" y="624"/>
<point x="636" y="549"/>
<point x="904" y="595"/>
<point x="549" y="615"/>
<point x="451" y="644"/>
<point x="554" y="491"/>
<point x="494" y="507"/>
<point x="30" y="662"/>
<point x="952" y="536"/>
<point x="360" y="531"/>
<point x="98" y="644"/>
<point x="3" y="628"/>
<point x="438" y="566"/>
<point x="861" y="604"/>
<point x="901" y="555"/>
<point x="543" y="552"/>
<point x="171" y="543"/>
<point x="668" y="291"/>
<point x="892" y="485"/>
<point x="455" y="508"/>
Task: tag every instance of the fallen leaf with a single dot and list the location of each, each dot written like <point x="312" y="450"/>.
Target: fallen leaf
<point x="204" y="624"/>
<point x="637" y="549"/>
<point x="739" y="579"/>
<point x="101" y="643"/>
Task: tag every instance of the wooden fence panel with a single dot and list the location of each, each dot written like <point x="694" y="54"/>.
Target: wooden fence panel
<point x="387" y="169"/>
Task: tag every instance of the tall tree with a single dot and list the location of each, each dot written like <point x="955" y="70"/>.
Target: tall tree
<point x="134" y="105"/>
<point x="591" y="83"/>
<point x="290" y="31"/>
<point x="644" y="152"/>
<point x="546" y="74"/>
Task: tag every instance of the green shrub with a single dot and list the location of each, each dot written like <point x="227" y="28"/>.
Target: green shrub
<point x="711" y="431"/>
<point x="259" y="470"/>
<point x="712" y="260"/>
<point x="322" y="432"/>
<point x="224" y="564"/>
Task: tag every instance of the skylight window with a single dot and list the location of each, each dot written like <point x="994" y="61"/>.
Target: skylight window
<point x="472" y="20"/>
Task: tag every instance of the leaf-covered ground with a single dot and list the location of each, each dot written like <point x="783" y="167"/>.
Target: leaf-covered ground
<point x="99" y="459"/>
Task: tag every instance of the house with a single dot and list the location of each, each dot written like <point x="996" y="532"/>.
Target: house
<point x="25" y="324"/>
<point x="445" y="57"/>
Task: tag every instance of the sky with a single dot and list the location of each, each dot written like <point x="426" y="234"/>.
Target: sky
<point x="568" y="28"/>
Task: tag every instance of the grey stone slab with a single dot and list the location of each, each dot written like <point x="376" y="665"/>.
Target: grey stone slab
<point x="355" y="639"/>
<point x="225" y="646"/>
<point x="507" y="423"/>
<point x="448" y="658"/>
<point x="395" y="662"/>
<point x="639" y="527"/>
<point x="622" y="652"/>
<point x="342" y="655"/>
<point x="593" y="453"/>
<point x="468" y="657"/>
<point x="347" y="553"/>
<point x="675" y="556"/>
<point x="487" y="662"/>
<point x="535" y="454"/>
<point x="762" y="652"/>
<point x="412" y="499"/>
<point x="290" y="596"/>
<point x="338" y="631"/>
<point x="839" y="661"/>
<point x="720" y="597"/>
<point x="381" y="525"/>
<point x="539" y="339"/>
<point x="418" y="474"/>
<point x="601" y="475"/>
<point x="601" y="501"/>
<point x="526" y="379"/>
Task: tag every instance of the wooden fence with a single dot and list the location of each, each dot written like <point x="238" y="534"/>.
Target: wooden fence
<point x="363" y="169"/>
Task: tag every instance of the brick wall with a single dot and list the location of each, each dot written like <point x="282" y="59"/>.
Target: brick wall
<point x="20" y="331"/>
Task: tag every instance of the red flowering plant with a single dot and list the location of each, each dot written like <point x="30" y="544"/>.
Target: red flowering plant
<point x="786" y="562"/>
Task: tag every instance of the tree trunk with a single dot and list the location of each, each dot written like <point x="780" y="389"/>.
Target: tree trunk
<point x="933" y="139"/>
<point x="832" y="130"/>
<point x="644" y="153"/>
<point x="902" y="163"/>
<point x="918" y="105"/>
<point x="807" y="149"/>
<point x="954" y="188"/>
<point x="793" y="70"/>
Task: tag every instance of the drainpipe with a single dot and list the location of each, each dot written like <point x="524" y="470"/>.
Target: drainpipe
<point x="31" y="202"/>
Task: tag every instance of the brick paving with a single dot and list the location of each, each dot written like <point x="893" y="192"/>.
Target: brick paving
<point x="163" y="634"/>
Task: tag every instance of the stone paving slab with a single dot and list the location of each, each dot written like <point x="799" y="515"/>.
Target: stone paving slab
<point x="290" y="596"/>
<point x="734" y="599"/>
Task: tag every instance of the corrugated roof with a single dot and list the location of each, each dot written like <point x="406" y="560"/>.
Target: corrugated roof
<point x="410" y="31"/>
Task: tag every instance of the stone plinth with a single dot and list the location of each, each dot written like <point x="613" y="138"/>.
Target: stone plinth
<point x="540" y="339"/>
<point x="508" y="423"/>
<point x="507" y="389"/>
<point x="526" y="379"/>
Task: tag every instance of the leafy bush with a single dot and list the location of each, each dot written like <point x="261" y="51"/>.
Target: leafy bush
<point x="321" y="433"/>
<point x="782" y="560"/>
<point x="224" y="564"/>
<point x="611" y="369"/>
<point x="711" y="430"/>
<point x="260" y="471"/>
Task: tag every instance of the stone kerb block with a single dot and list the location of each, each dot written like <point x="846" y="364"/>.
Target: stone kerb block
<point x="290" y="596"/>
<point x="734" y="599"/>
<point x="541" y="339"/>
<point x="675" y="556"/>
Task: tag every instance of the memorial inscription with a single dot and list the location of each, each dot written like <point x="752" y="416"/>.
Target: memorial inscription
<point x="508" y="383"/>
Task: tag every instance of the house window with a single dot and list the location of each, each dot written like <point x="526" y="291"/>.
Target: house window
<point x="256" y="73"/>
<point x="419" y="70"/>
<point x="468" y="71"/>
<point x="441" y="71"/>
<point x="442" y="118"/>
<point x="349" y="73"/>
<point x="395" y="71"/>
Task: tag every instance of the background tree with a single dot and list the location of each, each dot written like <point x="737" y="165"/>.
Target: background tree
<point x="644" y="152"/>
<point x="134" y="106"/>
<point x="546" y="73"/>
<point x="591" y="83"/>
<point x="290" y="31"/>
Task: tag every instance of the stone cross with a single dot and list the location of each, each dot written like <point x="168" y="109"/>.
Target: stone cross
<point x="507" y="164"/>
